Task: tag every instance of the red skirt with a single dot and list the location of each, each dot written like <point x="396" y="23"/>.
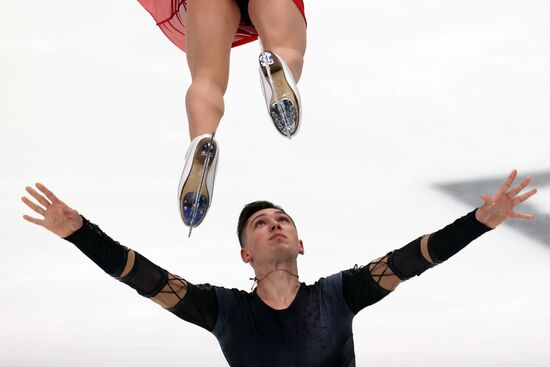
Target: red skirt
<point x="170" y="17"/>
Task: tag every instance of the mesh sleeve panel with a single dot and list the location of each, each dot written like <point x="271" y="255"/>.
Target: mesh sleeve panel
<point x="408" y="261"/>
<point x="145" y="277"/>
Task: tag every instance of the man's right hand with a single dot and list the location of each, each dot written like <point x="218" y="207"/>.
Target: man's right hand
<point x="59" y="218"/>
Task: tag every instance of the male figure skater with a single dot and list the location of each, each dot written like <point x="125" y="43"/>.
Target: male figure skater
<point x="282" y="322"/>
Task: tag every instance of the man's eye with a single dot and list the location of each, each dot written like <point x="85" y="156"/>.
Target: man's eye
<point x="259" y="223"/>
<point x="283" y="219"/>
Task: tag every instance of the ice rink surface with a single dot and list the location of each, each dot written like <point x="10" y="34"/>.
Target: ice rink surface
<point x="411" y="111"/>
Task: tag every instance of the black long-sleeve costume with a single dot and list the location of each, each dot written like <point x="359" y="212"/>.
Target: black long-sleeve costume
<point x="315" y="330"/>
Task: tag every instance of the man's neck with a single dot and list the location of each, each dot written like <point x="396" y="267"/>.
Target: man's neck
<point x="278" y="286"/>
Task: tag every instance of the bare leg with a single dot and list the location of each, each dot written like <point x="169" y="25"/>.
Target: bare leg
<point x="211" y="26"/>
<point x="282" y="29"/>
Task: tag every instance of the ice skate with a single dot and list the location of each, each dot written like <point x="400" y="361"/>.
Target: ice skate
<point x="196" y="184"/>
<point x="281" y="94"/>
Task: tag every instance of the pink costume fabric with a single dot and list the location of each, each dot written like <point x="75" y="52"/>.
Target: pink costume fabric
<point x="170" y="17"/>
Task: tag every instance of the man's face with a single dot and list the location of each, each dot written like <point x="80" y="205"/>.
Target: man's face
<point x="270" y="235"/>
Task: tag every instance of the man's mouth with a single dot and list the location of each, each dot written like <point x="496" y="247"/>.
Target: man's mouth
<point x="277" y="235"/>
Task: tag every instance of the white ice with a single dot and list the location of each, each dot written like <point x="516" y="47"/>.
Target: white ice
<point x="398" y="97"/>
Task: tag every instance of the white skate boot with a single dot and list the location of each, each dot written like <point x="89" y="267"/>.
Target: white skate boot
<point x="281" y="94"/>
<point x="196" y="186"/>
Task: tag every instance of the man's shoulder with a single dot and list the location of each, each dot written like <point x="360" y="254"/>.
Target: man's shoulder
<point x="331" y="282"/>
<point x="336" y="277"/>
<point x="330" y="292"/>
<point x="231" y="294"/>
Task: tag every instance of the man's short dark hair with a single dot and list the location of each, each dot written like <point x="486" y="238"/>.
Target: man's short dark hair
<point x="249" y="210"/>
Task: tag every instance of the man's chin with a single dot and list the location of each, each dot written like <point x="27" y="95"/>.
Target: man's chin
<point x="280" y="242"/>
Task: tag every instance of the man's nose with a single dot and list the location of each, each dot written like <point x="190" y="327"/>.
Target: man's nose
<point x="275" y="225"/>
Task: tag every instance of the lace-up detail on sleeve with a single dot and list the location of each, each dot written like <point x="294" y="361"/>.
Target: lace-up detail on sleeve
<point x="382" y="274"/>
<point x="173" y="292"/>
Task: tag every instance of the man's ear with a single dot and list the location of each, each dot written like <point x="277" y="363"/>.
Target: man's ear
<point x="301" y="247"/>
<point x="245" y="256"/>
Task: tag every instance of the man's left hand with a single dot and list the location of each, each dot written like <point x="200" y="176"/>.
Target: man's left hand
<point x="500" y="206"/>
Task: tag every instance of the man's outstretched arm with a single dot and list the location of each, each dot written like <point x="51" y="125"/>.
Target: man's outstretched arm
<point x="430" y="250"/>
<point x="366" y="285"/>
<point x="126" y="265"/>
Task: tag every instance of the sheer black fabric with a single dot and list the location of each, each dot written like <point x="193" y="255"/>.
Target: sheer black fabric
<point x="145" y="277"/>
<point x="408" y="261"/>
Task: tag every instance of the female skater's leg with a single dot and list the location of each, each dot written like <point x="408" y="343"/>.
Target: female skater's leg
<point x="210" y="28"/>
<point x="282" y="30"/>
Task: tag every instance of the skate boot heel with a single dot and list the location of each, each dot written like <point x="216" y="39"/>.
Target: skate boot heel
<point x="266" y="59"/>
<point x="208" y="149"/>
<point x="281" y="94"/>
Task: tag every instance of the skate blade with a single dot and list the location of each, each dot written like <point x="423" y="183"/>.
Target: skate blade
<point x="195" y="200"/>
